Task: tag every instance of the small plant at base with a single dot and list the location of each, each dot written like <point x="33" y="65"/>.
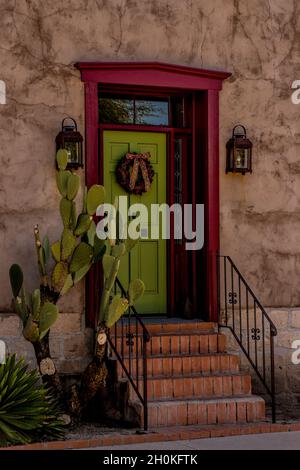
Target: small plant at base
<point x="28" y="411"/>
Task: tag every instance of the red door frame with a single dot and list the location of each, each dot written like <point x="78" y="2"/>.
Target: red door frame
<point x="154" y="74"/>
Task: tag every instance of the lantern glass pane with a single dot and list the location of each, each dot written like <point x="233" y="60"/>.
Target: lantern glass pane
<point x="73" y="151"/>
<point x="241" y="158"/>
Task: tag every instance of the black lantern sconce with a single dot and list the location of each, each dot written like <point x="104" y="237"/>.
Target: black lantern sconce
<point x="239" y="152"/>
<point x="70" y="139"/>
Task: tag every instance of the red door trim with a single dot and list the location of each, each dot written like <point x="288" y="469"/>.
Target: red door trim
<point x="212" y="201"/>
<point x="164" y="76"/>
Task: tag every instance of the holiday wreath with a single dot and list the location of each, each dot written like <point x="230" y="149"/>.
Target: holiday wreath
<point x="135" y="173"/>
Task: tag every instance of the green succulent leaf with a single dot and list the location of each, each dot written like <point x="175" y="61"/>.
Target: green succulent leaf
<point x="73" y="186"/>
<point x="62" y="159"/>
<point x="73" y="218"/>
<point x="55" y="249"/>
<point x="91" y="233"/>
<point x="107" y="263"/>
<point x="130" y="244"/>
<point x="95" y="197"/>
<point x="31" y="330"/>
<point x="48" y="316"/>
<point x="47" y="249"/>
<point x="62" y="177"/>
<point x="65" y="209"/>
<point x="99" y="249"/>
<point x="28" y="412"/>
<point x="119" y="250"/>
<point x="16" y="279"/>
<point x="67" y="285"/>
<point x="84" y="208"/>
<point x="68" y="243"/>
<point x="82" y="256"/>
<point x="116" y="309"/>
<point x="36" y="304"/>
<point x="20" y="310"/>
<point x="59" y="276"/>
<point x="83" y="224"/>
<point x="78" y="275"/>
<point x="135" y="291"/>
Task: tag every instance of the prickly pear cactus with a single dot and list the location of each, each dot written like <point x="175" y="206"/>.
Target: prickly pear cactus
<point x="112" y="307"/>
<point x="73" y="255"/>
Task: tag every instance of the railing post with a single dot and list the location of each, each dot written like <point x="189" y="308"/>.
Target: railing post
<point x="256" y="333"/>
<point x="272" y="377"/>
<point x="145" y="340"/>
<point x="218" y="287"/>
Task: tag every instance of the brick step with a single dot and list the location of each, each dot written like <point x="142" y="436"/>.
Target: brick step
<point x="246" y="409"/>
<point x="196" y="386"/>
<point x="178" y="343"/>
<point x="184" y="364"/>
<point x="171" y="327"/>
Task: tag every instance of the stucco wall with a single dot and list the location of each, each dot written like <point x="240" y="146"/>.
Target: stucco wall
<point x="258" y="41"/>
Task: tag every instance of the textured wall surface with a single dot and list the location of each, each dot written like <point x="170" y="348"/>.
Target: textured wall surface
<point x="258" y="41"/>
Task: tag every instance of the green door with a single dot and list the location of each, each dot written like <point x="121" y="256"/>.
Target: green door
<point x="147" y="260"/>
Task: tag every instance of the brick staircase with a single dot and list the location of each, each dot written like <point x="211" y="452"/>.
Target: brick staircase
<point x="192" y="379"/>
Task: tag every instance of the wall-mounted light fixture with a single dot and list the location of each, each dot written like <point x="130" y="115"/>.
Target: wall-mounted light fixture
<point x="70" y="139"/>
<point x="239" y="152"/>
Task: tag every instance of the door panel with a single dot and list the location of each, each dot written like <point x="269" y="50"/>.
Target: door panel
<point x="147" y="260"/>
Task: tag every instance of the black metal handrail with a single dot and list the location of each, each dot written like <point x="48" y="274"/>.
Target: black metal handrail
<point x="128" y="340"/>
<point x="241" y="312"/>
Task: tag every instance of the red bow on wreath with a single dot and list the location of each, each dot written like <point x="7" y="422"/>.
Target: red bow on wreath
<point x="139" y="162"/>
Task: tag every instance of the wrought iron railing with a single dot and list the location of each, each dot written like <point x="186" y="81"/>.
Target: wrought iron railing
<point x="241" y="312"/>
<point x="128" y="340"/>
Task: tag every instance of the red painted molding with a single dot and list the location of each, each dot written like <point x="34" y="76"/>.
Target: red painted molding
<point x="186" y="70"/>
<point x="161" y="77"/>
<point x="152" y="74"/>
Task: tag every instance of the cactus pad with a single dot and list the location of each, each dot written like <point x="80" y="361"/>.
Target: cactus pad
<point x="65" y="209"/>
<point x="73" y="186"/>
<point x="73" y="218"/>
<point x="99" y="249"/>
<point x="59" y="276"/>
<point x="116" y="309"/>
<point x="82" y="256"/>
<point x="83" y="224"/>
<point x="130" y="243"/>
<point x="119" y="250"/>
<point x="67" y="285"/>
<point x="78" y="275"/>
<point x="62" y="177"/>
<point x="95" y="197"/>
<point x="135" y="291"/>
<point x="48" y="316"/>
<point x="16" y="279"/>
<point x="31" y="330"/>
<point x="46" y="248"/>
<point x="107" y="262"/>
<point x="36" y="304"/>
<point x="55" y="250"/>
<point x="91" y="233"/>
<point x="68" y="243"/>
<point x="62" y="159"/>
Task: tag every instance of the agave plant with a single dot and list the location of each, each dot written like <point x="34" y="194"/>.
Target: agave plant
<point x="28" y="411"/>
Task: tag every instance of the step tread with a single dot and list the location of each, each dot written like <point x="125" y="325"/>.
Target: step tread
<point x="176" y="355"/>
<point x="199" y="374"/>
<point x="193" y="332"/>
<point x="178" y="401"/>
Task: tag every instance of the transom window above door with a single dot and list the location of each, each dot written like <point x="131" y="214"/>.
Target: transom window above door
<point x="141" y="110"/>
